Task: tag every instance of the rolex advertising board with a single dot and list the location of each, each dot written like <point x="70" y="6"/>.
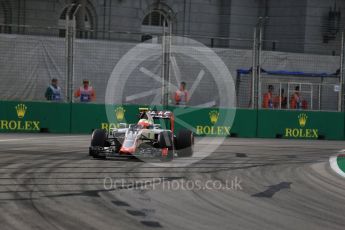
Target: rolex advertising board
<point x="20" y="123"/>
<point x="34" y="117"/>
<point x="16" y="116"/>
<point x="205" y="122"/>
<point x="87" y="117"/>
<point x="300" y="124"/>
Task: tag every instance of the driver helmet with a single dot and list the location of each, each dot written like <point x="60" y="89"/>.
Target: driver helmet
<point x="144" y="123"/>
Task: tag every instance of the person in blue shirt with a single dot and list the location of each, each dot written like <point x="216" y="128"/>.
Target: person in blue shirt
<point x="53" y="92"/>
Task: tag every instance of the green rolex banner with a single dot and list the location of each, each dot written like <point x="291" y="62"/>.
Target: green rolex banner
<point x="300" y="124"/>
<point x="18" y="122"/>
<point x="34" y="117"/>
<point x="82" y="118"/>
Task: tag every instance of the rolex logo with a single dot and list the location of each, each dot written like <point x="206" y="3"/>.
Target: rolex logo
<point x="214" y="116"/>
<point x="21" y="110"/>
<point x="120" y="113"/>
<point x="302" y="119"/>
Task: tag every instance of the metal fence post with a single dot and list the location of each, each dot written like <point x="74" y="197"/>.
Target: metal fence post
<point x="258" y="35"/>
<point x="320" y="96"/>
<point x="67" y="55"/>
<point x="253" y="104"/>
<point x="259" y="62"/>
<point x="73" y="37"/>
<point x="70" y="39"/>
<point x="288" y="96"/>
<point x="280" y="95"/>
<point x="166" y="45"/>
<point x="341" y="77"/>
<point x="70" y="34"/>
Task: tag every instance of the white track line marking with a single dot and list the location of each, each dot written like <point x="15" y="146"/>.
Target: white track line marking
<point x="334" y="164"/>
<point x="34" y="138"/>
<point x="6" y="140"/>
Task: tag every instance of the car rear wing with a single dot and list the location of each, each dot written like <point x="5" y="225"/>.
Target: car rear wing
<point x="157" y="114"/>
<point x="161" y="114"/>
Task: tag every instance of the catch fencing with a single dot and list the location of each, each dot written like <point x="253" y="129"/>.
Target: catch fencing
<point x="32" y="56"/>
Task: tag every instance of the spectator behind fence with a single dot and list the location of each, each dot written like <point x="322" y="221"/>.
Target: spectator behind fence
<point x="86" y="93"/>
<point x="267" y="102"/>
<point x="53" y="92"/>
<point x="296" y="100"/>
<point x="280" y="100"/>
<point x="181" y="95"/>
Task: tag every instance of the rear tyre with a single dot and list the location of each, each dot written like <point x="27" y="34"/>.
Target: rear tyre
<point x="98" y="139"/>
<point x="185" y="143"/>
<point x="165" y="140"/>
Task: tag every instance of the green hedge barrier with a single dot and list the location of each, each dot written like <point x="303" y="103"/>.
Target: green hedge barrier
<point x="16" y="116"/>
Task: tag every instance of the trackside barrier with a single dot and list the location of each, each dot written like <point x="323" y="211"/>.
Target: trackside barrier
<point x="217" y="122"/>
<point x="300" y="124"/>
<point x="16" y="116"/>
<point x="87" y="117"/>
<point x="203" y="121"/>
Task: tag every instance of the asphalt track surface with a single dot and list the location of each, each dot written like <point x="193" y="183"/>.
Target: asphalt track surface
<point x="50" y="182"/>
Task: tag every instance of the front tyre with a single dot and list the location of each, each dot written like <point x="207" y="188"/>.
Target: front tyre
<point x="98" y="140"/>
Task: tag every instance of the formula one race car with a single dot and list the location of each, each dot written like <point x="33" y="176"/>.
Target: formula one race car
<point x="146" y="139"/>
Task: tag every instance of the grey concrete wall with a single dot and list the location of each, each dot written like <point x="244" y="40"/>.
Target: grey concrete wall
<point x="291" y="23"/>
<point x="285" y="24"/>
<point x="316" y="17"/>
<point x="243" y="18"/>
